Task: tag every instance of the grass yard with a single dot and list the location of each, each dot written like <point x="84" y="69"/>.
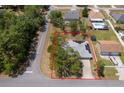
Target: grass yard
<point x="122" y="56"/>
<point x="110" y="74"/>
<point x="104" y="35"/>
<point x="118" y="11"/>
<point x="106" y="62"/>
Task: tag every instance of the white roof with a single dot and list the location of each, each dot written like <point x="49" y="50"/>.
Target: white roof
<point x="81" y="48"/>
<point x="121" y="34"/>
<point x="98" y="19"/>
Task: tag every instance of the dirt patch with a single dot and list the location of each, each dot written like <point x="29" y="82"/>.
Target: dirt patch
<point x="45" y="61"/>
<point x="3" y="75"/>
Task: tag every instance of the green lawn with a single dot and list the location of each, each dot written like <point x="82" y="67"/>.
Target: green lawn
<point x="118" y="11"/>
<point x="122" y="57"/>
<point x="110" y="74"/>
<point x="106" y="62"/>
<point x="104" y="35"/>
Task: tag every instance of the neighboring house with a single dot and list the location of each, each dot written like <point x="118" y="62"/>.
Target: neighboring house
<point x="117" y="18"/>
<point x="72" y="15"/>
<point x="97" y="20"/>
<point x="96" y="16"/>
<point x="109" y="48"/>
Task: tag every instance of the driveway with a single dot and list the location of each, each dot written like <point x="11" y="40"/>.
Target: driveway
<point x="120" y="67"/>
<point x="87" y="73"/>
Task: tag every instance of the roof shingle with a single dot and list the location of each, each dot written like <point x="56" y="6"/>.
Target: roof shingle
<point x="110" y="46"/>
<point x="71" y="15"/>
<point x="96" y="15"/>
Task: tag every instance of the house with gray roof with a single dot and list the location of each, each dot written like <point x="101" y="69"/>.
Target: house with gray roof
<point x="119" y="18"/>
<point x="82" y="48"/>
<point x="72" y="15"/>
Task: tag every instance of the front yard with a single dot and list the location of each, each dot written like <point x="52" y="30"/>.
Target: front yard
<point x="110" y="73"/>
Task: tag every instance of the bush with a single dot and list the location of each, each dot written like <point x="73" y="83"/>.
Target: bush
<point x="101" y="67"/>
<point x="93" y="38"/>
<point x="49" y="49"/>
<point x="85" y="12"/>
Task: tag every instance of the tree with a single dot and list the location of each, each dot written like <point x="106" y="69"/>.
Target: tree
<point x="66" y="62"/>
<point x="45" y="7"/>
<point x="85" y="12"/>
<point x="93" y="37"/>
<point x="73" y="26"/>
<point x="55" y="14"/>
<point x="56" y="18"/>
<point x="7" y="18"/>
<point x="16" y="36"/>
<point x="2" y="21"/>
<point x="82" y="26"/>
<point x="101" y="67"/>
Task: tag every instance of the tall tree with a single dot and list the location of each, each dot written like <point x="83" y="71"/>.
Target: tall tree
<point x="16" y="37"/>
<point x="56" y="18"/>
<point x="82" y="26"/>
<point x="73" y="26"/>
<point x="85" y="12"/>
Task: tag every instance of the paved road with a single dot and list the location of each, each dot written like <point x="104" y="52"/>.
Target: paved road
<point x="34" y="77"/>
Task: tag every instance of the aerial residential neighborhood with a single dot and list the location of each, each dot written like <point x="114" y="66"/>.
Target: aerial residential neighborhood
<point x="50" y="45"/>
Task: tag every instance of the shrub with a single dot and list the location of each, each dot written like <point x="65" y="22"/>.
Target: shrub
<point x="93" y="38"/>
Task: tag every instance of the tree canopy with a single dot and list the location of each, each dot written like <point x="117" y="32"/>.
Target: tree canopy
<point x="74" y="26"/>
<point x="16" y="35"/>
<point x="66" y="62"/>
<point x="85" y="12"/>
<point x="56" y="18"/>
